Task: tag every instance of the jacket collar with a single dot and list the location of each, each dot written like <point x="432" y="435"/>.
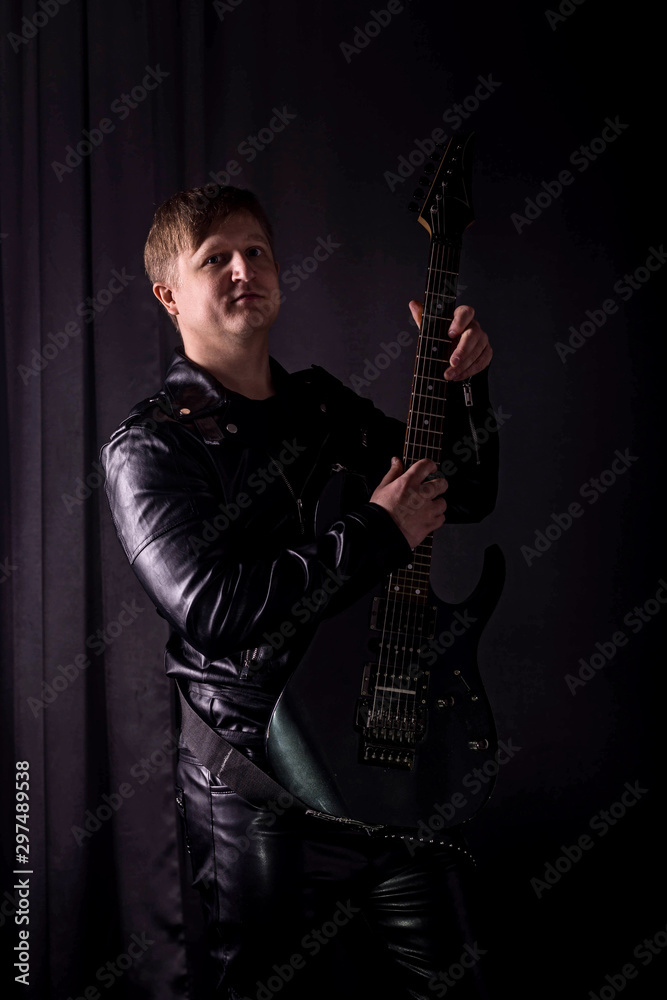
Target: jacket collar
<point x="194" y="392"/>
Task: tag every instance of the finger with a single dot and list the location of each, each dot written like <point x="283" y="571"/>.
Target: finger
<point x="463" y="317"/>
<point x="419" y="470"/>
<point x="434" y="488"/>
<point x="468" y="370"/>
<point x="416" y="308"/>
<point x="395" y="470"/>
<point x="468" y="350"/>
<point x="470" y="344"/>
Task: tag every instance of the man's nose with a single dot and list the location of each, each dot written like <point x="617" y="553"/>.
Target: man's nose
<point x="242" y="269"/>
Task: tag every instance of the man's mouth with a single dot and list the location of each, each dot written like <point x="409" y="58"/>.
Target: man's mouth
<point x="247" y="295"/>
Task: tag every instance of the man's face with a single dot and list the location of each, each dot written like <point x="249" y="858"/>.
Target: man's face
<point x="228" y="287"/>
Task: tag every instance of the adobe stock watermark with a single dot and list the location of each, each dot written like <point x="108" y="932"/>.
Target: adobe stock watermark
<point x="113" y="970"/>
<point x="565" y="10"/>
<point x="6" y="569"/>
<point x="295" y="275"/>
<point x="312" y="943"/>
<point x="30" y="26"/>
<point x="84" y="488"/>
<point x="441" y="982"/>
<point x="222" y="7"/>
<point x="458" y="627"/>
<point x="601" y="823"/>
<point x="645" y="952"/>
<point x="591" y="491"/>
<point x="625" y="288"/>
<point x="97" y="641"/>
<point x="455" y="117"/>
<point x="258" y="481"/>
<point x="271" y="811"/>
<point x="635" y="620"/>
<point x="373" y="368"/>
<point x="467" y="447"/>
<point x="88" y="309"/>
<point x="581" y="158"/>
<point x="142" y="771"/>
<point x="364" y="35"/>
<point x="248" y="148"/>
<point x="306" y="607"/>
<point x="121" y="107"/>
<point x="473" y="782"/>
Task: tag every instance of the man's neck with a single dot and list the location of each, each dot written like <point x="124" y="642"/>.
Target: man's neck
<point x="246" y="370"/>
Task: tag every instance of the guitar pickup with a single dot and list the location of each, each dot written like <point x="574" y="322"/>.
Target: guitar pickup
<point x="403" y="618"/>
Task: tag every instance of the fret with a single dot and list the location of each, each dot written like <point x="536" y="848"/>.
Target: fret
<point x="416" y="450"/>
<point x="435" y="348"/>
<point x="428" y="431"/>
<point x="432" y="378"/>
<point x="429" y="395"/>
<point x="412" y="574"/>
<point x="438" y="311"/>
<point x="398" y="603"/>
<point x="436" y="318"/>
<point x="410" y="582"/>
<point x="430" y="366"/>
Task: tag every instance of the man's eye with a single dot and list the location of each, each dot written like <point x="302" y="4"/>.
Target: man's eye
<point x="214" y="256"/>
<point x="256" y="251"/>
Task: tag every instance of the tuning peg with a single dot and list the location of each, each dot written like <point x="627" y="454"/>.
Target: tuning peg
<point x="417" y="193"/>
<point x="435" y="156"/>
<point x="413" y="207"/>
<point x="424" y="179"/>
<point x="429" y="168"/>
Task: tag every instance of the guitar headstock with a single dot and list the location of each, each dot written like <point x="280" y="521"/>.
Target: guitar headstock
<point x="447" y="210"/>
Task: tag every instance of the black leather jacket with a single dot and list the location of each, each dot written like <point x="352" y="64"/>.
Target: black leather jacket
<point x="237" y="515"/>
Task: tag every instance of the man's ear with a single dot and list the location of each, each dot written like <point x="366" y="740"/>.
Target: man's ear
<point x="166" y="297"/>
<point x="277" y="267"/>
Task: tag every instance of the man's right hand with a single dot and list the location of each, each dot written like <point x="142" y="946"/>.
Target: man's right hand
<point x="415" y="505"/>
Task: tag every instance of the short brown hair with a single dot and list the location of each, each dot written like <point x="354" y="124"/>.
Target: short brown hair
<point x="184" y="220"/>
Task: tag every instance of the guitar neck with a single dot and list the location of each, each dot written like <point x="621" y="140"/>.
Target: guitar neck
<point x="426" y="418"/>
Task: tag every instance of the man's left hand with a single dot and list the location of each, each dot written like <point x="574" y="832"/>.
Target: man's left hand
<point x="472" y="352"/>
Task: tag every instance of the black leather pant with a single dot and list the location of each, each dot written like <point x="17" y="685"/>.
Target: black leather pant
<point x="303" y="908"/>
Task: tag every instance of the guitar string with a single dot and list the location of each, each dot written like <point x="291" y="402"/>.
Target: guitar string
<point x="418" y="609"/>
<point x="447" y="255"/>
<point x="435" y="406"/>
<point x="401" y="604"/>
<point x="415" y="608"/>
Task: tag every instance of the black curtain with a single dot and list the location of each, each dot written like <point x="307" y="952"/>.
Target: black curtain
<point x="324" y="110"/>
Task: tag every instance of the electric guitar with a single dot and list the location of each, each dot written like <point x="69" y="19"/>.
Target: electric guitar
<point x="376" y="727"/>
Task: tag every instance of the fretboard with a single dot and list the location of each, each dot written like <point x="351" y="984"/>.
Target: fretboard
<point x="426" y="418"/>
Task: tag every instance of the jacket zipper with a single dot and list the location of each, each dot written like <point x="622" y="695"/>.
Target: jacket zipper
<point x="297" y="499"/>
<point x="250" y="656"/>
<point x="467" y="396"/>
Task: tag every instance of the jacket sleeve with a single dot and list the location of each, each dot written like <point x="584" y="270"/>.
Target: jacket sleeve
<point x="221" y="595"/>
<point x="469" y="460"/>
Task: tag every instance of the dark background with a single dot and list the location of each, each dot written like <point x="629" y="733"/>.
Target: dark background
<point x="64" y="574"/>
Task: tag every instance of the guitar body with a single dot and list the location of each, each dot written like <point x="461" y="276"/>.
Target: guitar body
<point x="316" y="742"/>
<point x="385" y="722"/>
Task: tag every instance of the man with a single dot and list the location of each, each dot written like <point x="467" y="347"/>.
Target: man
<point x="213" y="486"/>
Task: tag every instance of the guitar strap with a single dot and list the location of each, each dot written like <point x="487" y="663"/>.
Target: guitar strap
<point x="238" y="772"/>
<point x="227" y="763"/>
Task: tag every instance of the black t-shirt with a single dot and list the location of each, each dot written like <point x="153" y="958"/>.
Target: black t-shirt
<point x="280" y="419"/>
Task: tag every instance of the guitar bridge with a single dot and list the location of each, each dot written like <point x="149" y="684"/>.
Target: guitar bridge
<point x="391" y="714"/>
<point x="383" y="756"/>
